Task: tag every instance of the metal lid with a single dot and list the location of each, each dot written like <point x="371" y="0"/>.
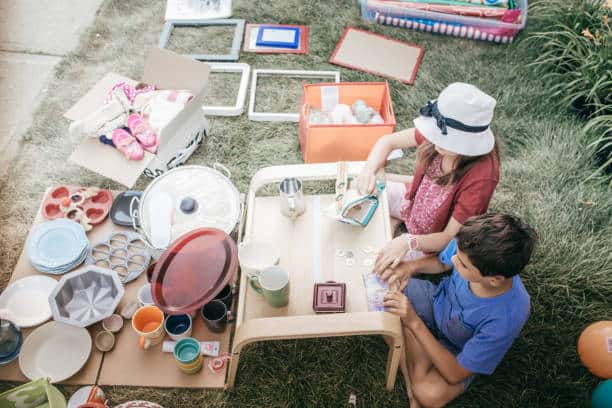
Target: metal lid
<point x="202" y="197"/>
<point x="193" y="270"/>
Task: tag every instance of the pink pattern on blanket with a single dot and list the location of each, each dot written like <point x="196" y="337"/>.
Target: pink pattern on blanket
<point x="129" y="90"/>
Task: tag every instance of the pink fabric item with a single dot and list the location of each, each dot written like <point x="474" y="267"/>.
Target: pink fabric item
<point x="396" y="196"/>
<point x="420" y="214"/>
<point x="129" y="91"/>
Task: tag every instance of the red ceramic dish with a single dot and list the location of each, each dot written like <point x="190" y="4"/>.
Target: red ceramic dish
<point x="193" y="270"/>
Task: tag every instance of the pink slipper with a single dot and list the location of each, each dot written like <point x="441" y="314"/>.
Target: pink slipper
<point x="142" y="132"/>
<point x="126" y="144"/>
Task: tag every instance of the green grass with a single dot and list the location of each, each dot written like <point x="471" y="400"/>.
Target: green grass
<point x="543" y="175"/>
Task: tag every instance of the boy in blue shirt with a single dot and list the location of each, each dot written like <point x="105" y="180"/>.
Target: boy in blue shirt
<point x="463" y="326"/>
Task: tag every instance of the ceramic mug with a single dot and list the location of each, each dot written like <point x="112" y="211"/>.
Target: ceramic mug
<point x="273" y="284"/>
<point x="148" y="323"/>
<point x="215" y="315"/>
<point x="255" y="256"/>
<point x="225" y="296"/>
<point x="145" y="297"/>
<point x="178" y="326"/>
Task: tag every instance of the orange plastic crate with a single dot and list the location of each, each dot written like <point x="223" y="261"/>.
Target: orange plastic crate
<point x="331" y="143"/>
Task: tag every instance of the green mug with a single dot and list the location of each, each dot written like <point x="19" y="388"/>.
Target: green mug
<point x="273" y="284"/>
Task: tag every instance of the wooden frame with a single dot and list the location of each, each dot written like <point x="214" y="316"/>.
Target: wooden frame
<point x="238" y="107"/>
<point x="283" y="323"/>
<point x="282" y="117"/>
<point x="236" y="42"/>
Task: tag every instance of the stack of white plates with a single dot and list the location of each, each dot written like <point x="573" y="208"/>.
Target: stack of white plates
<point x="57" y="246"/>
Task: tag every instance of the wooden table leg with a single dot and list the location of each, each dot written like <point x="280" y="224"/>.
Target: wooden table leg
<point x="233" y="369"/>
<point x="393" y="360"/>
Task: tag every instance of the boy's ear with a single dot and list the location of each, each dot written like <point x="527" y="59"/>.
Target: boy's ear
<point x="496" y="280"/>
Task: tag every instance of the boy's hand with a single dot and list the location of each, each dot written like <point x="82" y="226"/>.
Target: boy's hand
<point x="392" y="254"/>
<point x="398" y="304"/>
<point x="399" y="276"/>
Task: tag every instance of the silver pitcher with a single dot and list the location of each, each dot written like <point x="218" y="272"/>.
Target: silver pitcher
<point x="291" y="197"/>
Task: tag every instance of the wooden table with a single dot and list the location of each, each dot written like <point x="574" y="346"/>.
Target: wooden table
<point x="308" y="247"/>
<point x="126" y="364"/>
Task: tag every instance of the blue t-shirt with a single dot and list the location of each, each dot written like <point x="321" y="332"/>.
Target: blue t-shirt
<point x="480" y="329"/>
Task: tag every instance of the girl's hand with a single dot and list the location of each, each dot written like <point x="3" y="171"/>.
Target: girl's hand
<point x="398" y="304"/>
<point x="392" y="254"/>
<point x="366" y="182"/>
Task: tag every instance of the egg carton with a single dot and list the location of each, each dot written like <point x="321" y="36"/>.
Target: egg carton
<point x="122" y="252"/>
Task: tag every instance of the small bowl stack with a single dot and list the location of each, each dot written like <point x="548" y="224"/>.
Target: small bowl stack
<point x="55" y="247"/>
<point x="188" y="356"/>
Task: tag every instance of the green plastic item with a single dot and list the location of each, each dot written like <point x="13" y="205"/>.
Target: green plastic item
<point x="35" y="394"/>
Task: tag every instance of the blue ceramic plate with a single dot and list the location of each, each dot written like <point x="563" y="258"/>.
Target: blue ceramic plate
<point x="57" y="245"/>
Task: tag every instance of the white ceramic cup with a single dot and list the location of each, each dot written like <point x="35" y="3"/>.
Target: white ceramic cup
<point x="255" y="256"/>
<point x="145" y="298"/>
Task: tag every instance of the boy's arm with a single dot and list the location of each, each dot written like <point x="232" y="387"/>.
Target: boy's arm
<point x="445" y="362"/>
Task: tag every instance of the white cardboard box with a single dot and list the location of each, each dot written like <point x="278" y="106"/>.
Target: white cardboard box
<point x="177" y="140"/>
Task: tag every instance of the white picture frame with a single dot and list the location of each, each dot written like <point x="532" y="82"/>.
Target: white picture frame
<point x="236" y="42"/>
<point x="238" y="108"/>
<point x="284" y="116"/>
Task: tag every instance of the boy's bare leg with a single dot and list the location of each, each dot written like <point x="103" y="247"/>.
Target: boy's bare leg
<point x="415" y="365"/>
<point x="432" y="390"/>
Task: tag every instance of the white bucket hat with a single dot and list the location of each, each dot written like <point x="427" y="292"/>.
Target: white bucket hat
<point x="458" y="121"/>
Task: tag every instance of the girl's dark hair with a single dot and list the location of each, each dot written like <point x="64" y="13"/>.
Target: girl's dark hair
<point x="497" y="244"/>
<point x="427" y="152"/>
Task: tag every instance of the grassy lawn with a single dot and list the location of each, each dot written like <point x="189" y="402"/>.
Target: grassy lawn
<point x="543" y="169"/>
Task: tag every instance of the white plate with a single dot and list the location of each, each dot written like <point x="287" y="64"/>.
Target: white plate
<point x="54" y="350"/>
<point x="26" y="301"/>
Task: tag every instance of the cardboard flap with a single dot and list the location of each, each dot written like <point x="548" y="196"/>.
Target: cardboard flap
<point x="102" y="159"/>
<point x="96" y="96"/>
<point x="169" y="70"/>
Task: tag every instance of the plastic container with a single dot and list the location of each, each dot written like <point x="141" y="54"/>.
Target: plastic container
<point x="347" y="142"/>
<point x="486" y="29"/>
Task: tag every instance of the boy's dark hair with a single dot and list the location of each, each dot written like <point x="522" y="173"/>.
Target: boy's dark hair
<point x="497" y="244"/>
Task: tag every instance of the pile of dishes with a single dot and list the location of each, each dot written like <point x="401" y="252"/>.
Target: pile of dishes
<point x="57" y="246"/>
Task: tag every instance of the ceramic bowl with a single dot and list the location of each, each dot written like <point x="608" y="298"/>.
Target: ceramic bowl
<point x="105" y="341"/>
<point x="186" y="350"/>
<point x="113" y="323"/>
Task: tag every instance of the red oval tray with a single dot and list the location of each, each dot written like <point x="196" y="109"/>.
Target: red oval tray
<point x="193" y="270"/>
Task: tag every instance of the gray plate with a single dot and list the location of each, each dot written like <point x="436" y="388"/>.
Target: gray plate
<point x="86" y="296"/>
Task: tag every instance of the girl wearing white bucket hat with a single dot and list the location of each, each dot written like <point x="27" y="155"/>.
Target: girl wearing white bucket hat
<point x="456" y="173"/>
